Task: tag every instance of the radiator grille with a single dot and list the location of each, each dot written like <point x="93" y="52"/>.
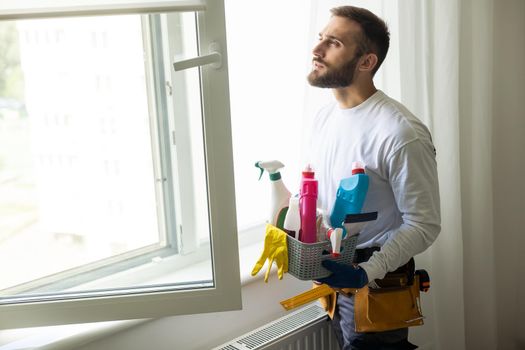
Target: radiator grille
<point x="306" y="328"/>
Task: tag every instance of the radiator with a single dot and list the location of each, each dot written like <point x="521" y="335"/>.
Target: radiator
<point x="307" y="328"/>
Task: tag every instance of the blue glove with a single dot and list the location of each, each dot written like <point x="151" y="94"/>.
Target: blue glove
<point x="344" y="276"/>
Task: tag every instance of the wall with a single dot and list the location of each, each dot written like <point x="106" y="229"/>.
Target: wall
<point x="508" y="169"/>
<point x="205" y="331"/>
<point x="477" y="208"/>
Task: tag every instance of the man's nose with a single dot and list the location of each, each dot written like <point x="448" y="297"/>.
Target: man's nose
<point x="318" y="50"/>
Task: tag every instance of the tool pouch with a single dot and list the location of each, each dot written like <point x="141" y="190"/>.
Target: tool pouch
<point x="387" y="308"/>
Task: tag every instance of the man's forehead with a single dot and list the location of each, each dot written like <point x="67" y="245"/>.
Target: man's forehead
<point x="342" y="28"/>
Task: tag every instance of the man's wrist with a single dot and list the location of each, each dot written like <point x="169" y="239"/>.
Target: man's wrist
<point x="371" y="272"/>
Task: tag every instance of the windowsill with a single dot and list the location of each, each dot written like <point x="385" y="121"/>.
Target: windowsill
<point x="74" y="335"/>
<point x="251" y="244"/>
<point x="248" y="256"/>
<point x="61" y="337"/>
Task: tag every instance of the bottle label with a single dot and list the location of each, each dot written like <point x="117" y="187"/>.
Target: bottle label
<point x="309" y="187"/>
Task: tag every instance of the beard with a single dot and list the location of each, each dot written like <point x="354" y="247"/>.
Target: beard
<point x="334" y="77"/>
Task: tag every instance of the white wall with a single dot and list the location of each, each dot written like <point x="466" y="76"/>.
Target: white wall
<point x="509" y="169"/>
<point x="205" y="331"/>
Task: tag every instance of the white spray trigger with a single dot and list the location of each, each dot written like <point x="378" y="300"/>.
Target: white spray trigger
<point x="335" y="235"/>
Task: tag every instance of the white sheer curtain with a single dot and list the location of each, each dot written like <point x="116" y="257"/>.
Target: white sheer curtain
<point x="429" y="52"/>
<point x="446" y="79"/>
<point x="439" y="66"/>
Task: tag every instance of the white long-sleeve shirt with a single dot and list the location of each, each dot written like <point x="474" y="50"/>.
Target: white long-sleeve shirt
<point x="399" y="158"/>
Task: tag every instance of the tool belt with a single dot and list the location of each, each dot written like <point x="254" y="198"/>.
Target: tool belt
<point x="393" y="301"/>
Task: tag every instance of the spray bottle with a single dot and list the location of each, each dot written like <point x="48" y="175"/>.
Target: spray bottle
<point x="292" y="221"/>
<point x="308" y="206"/>
<point x="350" y="196"/>
<point x="280" y="194"/>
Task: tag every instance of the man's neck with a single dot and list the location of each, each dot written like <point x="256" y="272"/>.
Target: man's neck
<point x="353" y="95"/>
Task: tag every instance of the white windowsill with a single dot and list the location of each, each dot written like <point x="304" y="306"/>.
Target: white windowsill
<point x="61" y="337"/>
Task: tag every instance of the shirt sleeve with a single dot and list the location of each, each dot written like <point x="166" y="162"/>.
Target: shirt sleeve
<point x="412" y="172"/>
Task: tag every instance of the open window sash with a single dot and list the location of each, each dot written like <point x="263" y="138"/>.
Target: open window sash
<point x="158" y="300"/>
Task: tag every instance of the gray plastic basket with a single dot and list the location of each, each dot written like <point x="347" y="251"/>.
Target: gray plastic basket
<point x="304" y="260"/>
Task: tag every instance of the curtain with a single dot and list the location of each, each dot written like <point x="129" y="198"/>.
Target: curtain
<point x="429" y="56"/>
<point x="446" y="79"/>
<point x="448" y="45"/>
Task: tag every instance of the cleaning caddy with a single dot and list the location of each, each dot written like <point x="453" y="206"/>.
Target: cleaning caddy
<point x="299" y="253"/>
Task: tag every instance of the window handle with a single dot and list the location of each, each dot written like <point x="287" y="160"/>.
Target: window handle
<point x="214" y="58"/>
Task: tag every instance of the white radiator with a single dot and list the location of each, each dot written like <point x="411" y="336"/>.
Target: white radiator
<point x="307" y="328"/>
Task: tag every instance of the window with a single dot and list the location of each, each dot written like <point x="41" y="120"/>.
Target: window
<point x="116" y="186"/>
<point x="267" y="118"/>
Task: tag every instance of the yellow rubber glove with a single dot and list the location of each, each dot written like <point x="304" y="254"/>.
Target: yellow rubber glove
<point x="275" y="249"/>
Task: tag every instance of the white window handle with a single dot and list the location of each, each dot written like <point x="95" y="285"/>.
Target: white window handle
<point x="214" y="58"/>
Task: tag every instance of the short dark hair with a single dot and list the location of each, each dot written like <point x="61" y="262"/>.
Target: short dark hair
<point x="375" y="38"/>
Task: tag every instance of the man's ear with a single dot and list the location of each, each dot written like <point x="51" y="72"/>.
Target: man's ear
<point x="368" y="62"/>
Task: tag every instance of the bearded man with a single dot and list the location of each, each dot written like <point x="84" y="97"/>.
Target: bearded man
<point x="364" y="124"/>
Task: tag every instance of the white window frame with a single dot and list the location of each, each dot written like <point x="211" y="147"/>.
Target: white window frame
<point x="225" y="294"/>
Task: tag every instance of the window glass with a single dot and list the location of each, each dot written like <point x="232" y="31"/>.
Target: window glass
<point x="267" y="96"/>
<point x="100" y="170"/>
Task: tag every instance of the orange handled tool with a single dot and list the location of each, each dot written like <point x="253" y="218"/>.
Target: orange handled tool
<point x="307" y="297"/>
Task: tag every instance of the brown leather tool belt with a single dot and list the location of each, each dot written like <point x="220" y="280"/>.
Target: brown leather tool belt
<point x="395" y="304"/>
<point x="392" y="303"/>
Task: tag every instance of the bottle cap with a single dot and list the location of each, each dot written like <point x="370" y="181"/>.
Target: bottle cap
<point x="308" y="172"/>
<point x="358" y="168"/>
<point x="275" y="176"/>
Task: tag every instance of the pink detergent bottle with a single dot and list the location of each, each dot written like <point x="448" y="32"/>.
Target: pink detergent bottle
<point x="308" y="206"/>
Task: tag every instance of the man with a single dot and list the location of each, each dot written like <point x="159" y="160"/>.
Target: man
<point x="363" y="124"/>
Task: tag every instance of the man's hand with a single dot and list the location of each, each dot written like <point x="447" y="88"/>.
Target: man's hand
<point x="344" y="276"/>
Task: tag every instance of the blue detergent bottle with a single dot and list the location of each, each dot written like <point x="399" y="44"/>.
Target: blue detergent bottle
<point x="350" y="196"/>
